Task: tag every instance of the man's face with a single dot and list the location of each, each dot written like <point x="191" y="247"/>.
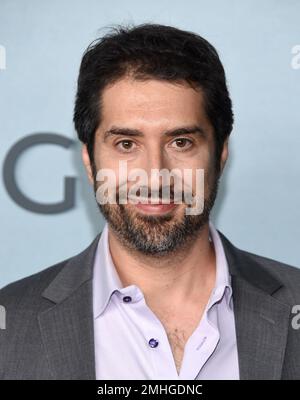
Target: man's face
<point x="140" y="125"/>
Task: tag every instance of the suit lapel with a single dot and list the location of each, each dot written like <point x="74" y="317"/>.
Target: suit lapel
<point x="261" y="327"/>
<point x="67" y="328"/>
<point x="261" y="320"/>
<point x="67" y="333"/>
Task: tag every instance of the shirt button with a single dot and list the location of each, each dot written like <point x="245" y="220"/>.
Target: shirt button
<point x="153" y="342"/>
<point x="127" y="299"/>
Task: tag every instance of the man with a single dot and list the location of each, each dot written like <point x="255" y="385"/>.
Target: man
<point x="160" y="293"/>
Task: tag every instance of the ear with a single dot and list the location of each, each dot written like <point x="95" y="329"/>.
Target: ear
<point x="224" y="155"/>
<point x="87" y="163"/>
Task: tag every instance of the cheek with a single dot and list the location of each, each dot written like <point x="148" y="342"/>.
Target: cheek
<point x="104" y="158"/>
<point x="206" y="176"/>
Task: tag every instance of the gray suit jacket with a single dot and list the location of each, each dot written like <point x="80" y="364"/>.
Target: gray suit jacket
<point x="49" y="319"/>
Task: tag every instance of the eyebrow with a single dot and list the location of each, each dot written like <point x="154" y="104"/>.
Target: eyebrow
<point x="119" y="131"/>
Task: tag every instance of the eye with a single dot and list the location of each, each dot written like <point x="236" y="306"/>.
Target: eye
<point x="125" y="145"/>
<point x="182" y="143"/>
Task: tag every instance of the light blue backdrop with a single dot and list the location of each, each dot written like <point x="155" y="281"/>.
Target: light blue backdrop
<point x="258" y="203"/>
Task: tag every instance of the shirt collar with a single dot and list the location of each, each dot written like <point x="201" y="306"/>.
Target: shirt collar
<point x="223" y="278"/>
<point x="106" y="280"/>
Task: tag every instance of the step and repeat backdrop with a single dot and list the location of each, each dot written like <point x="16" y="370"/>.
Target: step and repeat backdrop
<point x="48" y="210"/>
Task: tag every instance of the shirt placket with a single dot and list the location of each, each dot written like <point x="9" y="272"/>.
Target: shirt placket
<point x="156" y="341"/>
<point x="198" y="349"/>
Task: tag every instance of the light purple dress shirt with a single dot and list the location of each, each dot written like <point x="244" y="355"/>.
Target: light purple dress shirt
<point x="131" y="342"/>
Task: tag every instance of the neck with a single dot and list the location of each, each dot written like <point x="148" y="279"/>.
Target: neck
<point x="186" y="275"/>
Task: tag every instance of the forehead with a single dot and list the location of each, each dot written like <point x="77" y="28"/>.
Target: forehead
<point x="152" y="102"/>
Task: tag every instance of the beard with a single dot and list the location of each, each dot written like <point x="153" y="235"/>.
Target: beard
<point x="157" y="235"/>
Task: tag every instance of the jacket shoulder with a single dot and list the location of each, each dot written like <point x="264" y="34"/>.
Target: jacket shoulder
<point x="288" y="274"/>
<point x="27" y="291"/>
<point x="30" y="286"/>
<point x="274" y="265"/>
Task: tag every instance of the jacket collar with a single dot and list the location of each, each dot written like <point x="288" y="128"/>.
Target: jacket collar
<point x="243" y="266"/>
<point x="79" y="269"/>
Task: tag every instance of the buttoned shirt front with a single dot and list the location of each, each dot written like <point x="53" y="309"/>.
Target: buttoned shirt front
<point x="131" y="342"/>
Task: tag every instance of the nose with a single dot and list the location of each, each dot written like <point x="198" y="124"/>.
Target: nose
<point x="154" y="163"/>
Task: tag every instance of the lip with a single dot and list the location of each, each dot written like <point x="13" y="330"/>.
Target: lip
<point x="158" y="208"/>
